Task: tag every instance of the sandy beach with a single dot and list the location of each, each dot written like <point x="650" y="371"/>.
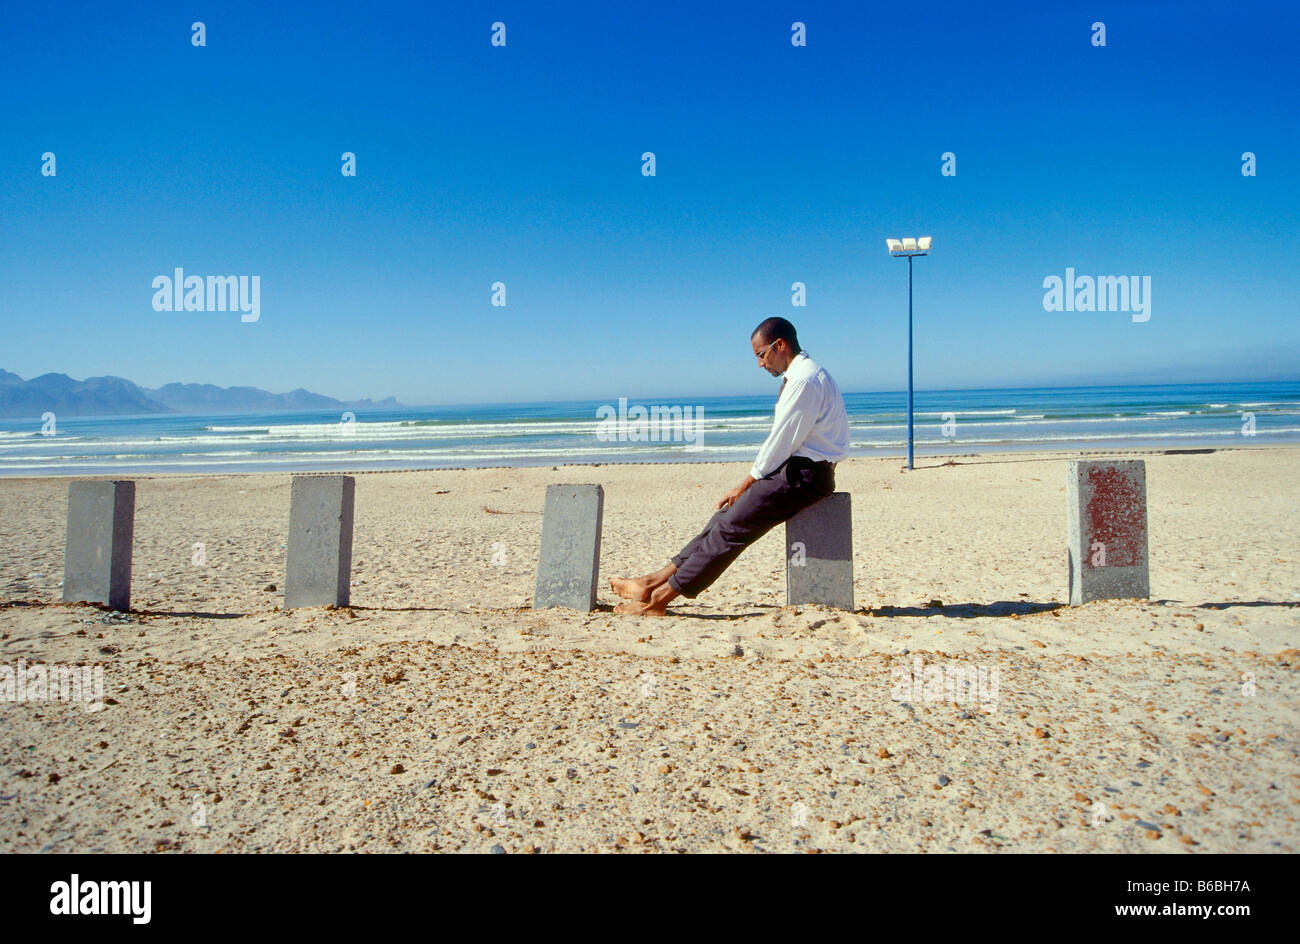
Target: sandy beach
<point x="440" y="712"/>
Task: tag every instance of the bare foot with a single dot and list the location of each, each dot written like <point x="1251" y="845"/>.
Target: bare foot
<point x="630" y="588"/>
<point x="641" y="609"/>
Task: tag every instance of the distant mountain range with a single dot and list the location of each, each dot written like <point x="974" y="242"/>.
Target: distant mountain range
<point x="114" y="396"/>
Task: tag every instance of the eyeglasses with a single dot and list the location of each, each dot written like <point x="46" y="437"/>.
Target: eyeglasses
<point x="759" y="354"/>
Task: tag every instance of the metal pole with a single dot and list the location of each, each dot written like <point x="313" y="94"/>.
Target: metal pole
<point x="909" y="362"/>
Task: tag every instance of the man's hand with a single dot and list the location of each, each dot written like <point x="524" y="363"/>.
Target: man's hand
<point x="730" y="498"/>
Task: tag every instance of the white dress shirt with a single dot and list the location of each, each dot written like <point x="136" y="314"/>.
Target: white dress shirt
<point x="810" y="419"/>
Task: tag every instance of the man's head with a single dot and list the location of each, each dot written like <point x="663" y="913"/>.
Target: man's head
<point x="775" y="345"/>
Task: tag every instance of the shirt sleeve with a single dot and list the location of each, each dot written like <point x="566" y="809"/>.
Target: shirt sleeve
<point x="796" y="415"/>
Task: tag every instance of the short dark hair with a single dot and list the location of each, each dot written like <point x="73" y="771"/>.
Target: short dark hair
<point x="778" y="329"/>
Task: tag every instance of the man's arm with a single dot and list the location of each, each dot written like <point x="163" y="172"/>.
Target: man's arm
<point x="729" y="499"/>
<point x="796" y="415"/>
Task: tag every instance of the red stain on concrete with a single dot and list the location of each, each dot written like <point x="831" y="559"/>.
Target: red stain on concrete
<point x="1116" y="517"/>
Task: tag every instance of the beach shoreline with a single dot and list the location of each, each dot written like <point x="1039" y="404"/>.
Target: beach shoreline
<point x="921" y="462"/>
<point x="671" y="430"/>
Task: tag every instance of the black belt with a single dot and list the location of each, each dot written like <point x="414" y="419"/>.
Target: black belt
<point x="800" y="460"/>
<point x="796" y="462"/>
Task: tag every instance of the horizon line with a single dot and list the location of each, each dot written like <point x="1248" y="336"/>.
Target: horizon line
<point x="1294" y="378"/>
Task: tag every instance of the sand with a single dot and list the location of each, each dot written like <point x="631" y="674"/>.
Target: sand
<point x="439" y="712"/>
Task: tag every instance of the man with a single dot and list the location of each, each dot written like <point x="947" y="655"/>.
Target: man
<point x="795" y="467"/>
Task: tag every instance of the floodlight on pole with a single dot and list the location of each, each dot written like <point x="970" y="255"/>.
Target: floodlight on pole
<point x="909" y="246"/>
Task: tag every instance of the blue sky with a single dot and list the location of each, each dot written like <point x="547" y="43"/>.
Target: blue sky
<point x="522" y="164"/>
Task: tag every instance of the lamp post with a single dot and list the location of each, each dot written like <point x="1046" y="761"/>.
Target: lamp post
<point x="909" y="247"/>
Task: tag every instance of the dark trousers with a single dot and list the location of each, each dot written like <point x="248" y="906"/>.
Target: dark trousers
<point x="768" y="502"/>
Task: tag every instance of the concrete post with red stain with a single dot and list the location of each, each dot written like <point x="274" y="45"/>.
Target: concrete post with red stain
<point x="1107" y="550"/>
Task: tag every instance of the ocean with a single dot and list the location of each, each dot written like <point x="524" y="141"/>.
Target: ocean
<point x="706" y="429"/>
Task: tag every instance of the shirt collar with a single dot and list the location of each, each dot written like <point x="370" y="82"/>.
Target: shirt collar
<point x="798" y="367"/>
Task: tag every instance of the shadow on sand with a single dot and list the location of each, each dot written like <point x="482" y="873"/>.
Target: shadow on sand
<point x="195" y="614"/>
<point x="1291" y="604"/>
<point x="967" y="610"/>
<point x="1067" y="455"/>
